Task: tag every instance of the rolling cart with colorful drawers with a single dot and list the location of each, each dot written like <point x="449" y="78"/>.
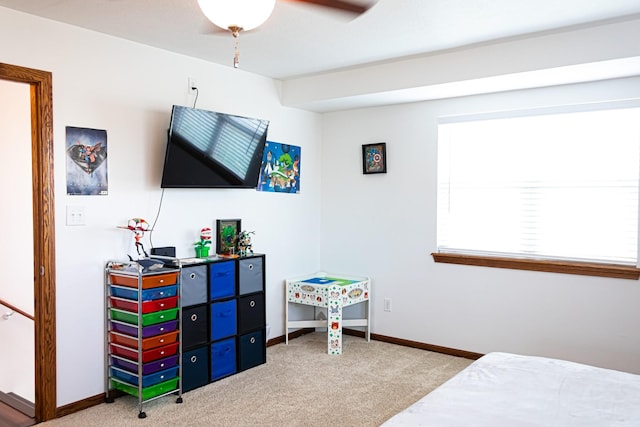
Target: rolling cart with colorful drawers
<point x="143" y="346"/>
<point x="223" y="318"/>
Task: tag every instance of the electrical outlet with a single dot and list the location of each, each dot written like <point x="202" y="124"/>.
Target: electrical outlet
<point x="387" y="304"/>
<point x="192" y="85"/>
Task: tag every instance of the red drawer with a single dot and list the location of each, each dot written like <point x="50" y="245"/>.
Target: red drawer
<point x="148" y="355"/>
<point x="147" y="343"/>
<point x="147" y="306"/>
<point x="148" y="282"/>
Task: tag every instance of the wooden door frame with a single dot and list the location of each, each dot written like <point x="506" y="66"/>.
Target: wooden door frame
<point x="43" y="233"/>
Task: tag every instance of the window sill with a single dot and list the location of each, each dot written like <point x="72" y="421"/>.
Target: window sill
<point x="585" y="269"/>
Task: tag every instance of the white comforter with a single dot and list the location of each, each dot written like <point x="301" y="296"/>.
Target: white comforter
<point x="509" y="390"/>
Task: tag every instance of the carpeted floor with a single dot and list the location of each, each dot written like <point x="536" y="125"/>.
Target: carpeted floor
<point x="300" y="385"/>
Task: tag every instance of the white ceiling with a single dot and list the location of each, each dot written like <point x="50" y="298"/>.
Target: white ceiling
<point x="302" y="39"/>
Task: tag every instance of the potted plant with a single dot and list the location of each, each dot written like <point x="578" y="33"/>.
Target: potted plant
<point x="202" y="246"/>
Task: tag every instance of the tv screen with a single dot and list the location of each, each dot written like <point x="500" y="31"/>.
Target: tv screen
<point x="208" y="149"/>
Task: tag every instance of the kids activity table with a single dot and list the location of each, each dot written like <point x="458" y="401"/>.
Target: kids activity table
<point x="333" y="292"/>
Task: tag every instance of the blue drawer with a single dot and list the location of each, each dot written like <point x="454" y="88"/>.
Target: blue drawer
<point x="223" y="319"/>
<point x="222" y="279"/>
<point x="223" y="358"/>
<point x="147" y="380"/>
<point x="147" y="294"/>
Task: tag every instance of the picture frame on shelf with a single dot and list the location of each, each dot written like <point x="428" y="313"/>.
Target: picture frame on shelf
<point x="374" y="158"/>
<point x="227" y="231"/>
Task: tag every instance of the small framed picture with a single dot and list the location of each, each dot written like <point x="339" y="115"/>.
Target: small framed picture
<point x="374" y="158"/>
<point x="227" y="231"/>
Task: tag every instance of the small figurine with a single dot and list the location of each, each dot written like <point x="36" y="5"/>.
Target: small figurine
<point x="202" y="246"/>
<point x="139" y="226"/>
<point x="244" y="242"/>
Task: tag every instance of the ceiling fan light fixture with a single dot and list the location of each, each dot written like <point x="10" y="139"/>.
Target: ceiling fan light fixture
<point x="243" y="14"/>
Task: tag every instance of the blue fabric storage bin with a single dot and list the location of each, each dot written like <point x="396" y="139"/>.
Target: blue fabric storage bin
<point x="223" y="319"/>
<point x="195" y="368"/>
<point x="251" y="350"/>
<point x="223" y="358"/>
<point x="222" y="279"/>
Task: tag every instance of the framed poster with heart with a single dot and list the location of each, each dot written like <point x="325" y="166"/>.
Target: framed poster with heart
<point x="87" y="172"/>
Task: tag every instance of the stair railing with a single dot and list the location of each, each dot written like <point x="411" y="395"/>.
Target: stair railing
<point x="14" y="309"/>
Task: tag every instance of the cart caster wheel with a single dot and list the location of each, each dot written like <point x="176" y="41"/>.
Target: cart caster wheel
<point x="179" y="400"/>
<point x="109" y="399"/>
<point x="142" y="415"/>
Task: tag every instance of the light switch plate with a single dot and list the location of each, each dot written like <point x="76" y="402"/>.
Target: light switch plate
<point x="75" y="215"/>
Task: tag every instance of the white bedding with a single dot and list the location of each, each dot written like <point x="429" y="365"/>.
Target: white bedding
<point x="509" y="390"/>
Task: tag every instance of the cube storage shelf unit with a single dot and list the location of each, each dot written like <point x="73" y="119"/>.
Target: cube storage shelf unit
<point x="223" y="318"/>
<point x="143" y="343"/>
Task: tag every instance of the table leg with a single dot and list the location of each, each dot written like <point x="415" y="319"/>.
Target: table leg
<point x="286" y="319"/>
<point x="368" y="320"/>
<point x="334" y="328"/>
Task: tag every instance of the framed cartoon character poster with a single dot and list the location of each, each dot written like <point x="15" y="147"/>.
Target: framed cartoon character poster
<point x="374" y="158"/>
<point x="280" y="168"/>
<point x="86" y="161"/>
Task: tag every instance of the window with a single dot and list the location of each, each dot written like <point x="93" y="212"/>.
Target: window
<point x="543" y="185"/>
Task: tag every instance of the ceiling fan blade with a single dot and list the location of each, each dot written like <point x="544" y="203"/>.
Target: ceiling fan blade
<point x="338" y="4"/>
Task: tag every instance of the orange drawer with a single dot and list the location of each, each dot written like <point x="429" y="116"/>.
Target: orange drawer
<point x="148" y="282"/>
<point x="147" y="306"/>
<point x="147" y="343"/>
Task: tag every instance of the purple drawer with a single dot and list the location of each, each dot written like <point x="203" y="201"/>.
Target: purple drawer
<point x="147" y="331"/>
<point x="147" y="368"/>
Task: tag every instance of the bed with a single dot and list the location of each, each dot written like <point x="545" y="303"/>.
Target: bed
<point x="510" y="390"/>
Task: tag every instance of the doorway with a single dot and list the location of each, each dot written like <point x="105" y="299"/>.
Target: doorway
<point x="41" y="99"/>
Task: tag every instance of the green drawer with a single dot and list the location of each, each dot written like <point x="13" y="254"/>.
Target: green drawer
<point x="148" y="392"/>
<point x="147" y="319"/>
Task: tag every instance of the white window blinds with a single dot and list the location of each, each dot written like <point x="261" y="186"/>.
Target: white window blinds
<point x="224" y="138"/>
<point x="544" y="186"/>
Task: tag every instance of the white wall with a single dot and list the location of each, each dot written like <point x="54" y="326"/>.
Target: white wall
<point x="384" y="226"/>
<point x="128" y="89"/>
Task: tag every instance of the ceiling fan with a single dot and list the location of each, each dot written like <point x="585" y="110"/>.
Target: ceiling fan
<point x="244" y="15"/>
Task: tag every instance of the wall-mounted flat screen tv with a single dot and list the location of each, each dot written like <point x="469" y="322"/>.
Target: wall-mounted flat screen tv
<point x="208" y="149"/>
